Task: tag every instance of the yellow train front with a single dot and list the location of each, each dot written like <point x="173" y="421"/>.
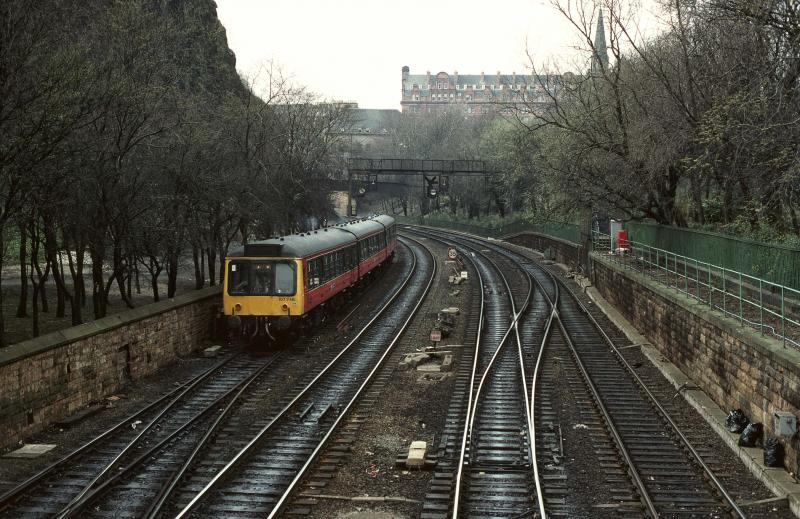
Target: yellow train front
<point x="279" y="286"/>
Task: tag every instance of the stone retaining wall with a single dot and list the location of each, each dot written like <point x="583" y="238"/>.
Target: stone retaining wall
<point x="563" y="251"/>
<point x="49" y="378"/>
<point x="734" y="365"/>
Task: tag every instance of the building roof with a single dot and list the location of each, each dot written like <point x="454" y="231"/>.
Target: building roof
<point x="424" y="81"/>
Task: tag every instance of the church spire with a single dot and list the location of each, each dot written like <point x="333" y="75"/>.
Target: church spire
<point x="600" y="54"/>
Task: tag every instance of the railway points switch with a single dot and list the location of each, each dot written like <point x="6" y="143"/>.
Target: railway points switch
<point x="785" y="424"/>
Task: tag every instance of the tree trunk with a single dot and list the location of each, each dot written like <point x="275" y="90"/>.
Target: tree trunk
<point x="197" y="258"/>
<point x="119" y="274"/>
<point x="222" y="253"/>
<point x="2" y="321"/>
<point x="172" y="273"/>
<point x="78" y="280"/>
<point x="212" y="263"/>
<point x="37" y="269"/>
<point x="136" y="273"/>
<point x="99" y="300"/>
<point x="35" y="285"/>
<point x="61" y="300"/>
<point x="155" y="271"/>
<point x="54" y="258"/>
<point x="129" y="283"/>
<point x="78" y="301"/>
<point x="22" y="307"/>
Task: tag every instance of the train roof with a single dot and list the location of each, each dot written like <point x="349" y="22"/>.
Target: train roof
<point x="313" y="242"/>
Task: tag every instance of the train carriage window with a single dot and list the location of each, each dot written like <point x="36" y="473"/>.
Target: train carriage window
<point x="339" y="262"/>
<point x="326" y="268"/>
<point x="313" y="273"/>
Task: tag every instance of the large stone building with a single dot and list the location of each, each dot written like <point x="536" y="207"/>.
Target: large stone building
<point x="475" y="95"/>
<point x="485" y="94"/>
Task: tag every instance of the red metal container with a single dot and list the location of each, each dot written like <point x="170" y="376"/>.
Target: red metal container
<point x="622" y="239"/>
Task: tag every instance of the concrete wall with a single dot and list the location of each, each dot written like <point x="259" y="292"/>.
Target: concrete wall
<point x="563" y="251"/>
<point x="49" y="378"/>
<point x="734" y="365"/>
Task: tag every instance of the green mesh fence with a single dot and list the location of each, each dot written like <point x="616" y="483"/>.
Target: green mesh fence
<point x="773" y="263"/>
<point x="565" y="231"/>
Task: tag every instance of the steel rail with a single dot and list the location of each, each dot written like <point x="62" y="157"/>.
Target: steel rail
<point x="278" y="508"/>
<point x="545" y="338"/>
<point x="706" y="469"/>
<point x="247" y="449"/>
<point x="644" y="494"/>
<point x="80" y="505"/>
<point x="169" y="486"/>
<point x="14" y="493"/>
<point x="513" y="326"/>
<point x="465" y="436"/>
<point x="472" y="405"/>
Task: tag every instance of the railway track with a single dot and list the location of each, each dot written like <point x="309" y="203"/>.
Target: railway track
<point x="260" y="478"/>
<point x="59" y="488"/>
<point x="492" y="473"/>
<point x="132" y="469"/>
<point x="656" y="469"/>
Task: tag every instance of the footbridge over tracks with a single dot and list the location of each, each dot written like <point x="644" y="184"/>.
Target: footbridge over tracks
<point x="436" y="173"/>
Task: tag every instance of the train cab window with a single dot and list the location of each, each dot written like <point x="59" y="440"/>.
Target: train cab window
<point x="284" y="278"/>
<point x="261" y="278"/>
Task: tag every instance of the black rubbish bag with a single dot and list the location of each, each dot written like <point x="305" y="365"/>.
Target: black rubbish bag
<point x="751" y="435"/>
<point x="736" y="421"/>
<point x="773" y="453"/>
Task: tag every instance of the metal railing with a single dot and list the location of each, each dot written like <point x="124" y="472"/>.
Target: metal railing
<point x="769" y="307"/>
<point x="564" y="231"/>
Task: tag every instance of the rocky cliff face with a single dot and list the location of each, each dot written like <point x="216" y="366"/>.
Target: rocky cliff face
<point x="202" y="53"/>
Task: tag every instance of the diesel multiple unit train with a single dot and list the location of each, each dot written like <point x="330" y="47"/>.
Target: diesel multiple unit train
<point x="278" y="286"/>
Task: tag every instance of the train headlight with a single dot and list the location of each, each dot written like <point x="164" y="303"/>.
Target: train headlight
<point x="237" y="307"/>
<point x="285" y="307"/>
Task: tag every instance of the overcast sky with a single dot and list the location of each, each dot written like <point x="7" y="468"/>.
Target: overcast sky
<point x="354" y="49"/>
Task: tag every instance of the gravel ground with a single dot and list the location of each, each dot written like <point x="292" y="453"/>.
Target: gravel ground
<point x="413" y="407"/>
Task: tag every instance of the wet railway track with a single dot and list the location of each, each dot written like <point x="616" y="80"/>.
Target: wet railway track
<point x="137" y="468"/>
<point x="651" y="463"/>
<point x="260" y="478"/>
<point x="492" y="472"/>
<point x="62" y="488"/>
